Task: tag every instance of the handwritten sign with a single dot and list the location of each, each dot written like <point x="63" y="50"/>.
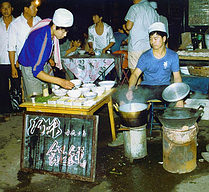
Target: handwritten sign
<point x="60" y="144"/>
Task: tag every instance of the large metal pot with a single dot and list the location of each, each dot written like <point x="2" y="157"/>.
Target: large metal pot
<point x="179" y="116"/>
<point x="133" y="114"/>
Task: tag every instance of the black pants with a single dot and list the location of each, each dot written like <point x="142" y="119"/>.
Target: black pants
<point x="5" y="102"/>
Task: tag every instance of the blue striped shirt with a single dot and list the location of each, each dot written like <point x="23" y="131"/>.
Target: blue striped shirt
<point x="37" y="50"/>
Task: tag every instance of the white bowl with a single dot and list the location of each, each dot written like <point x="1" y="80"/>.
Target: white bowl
<point x="74" y="93"/>
<point x="98" y="90"/>
<point x="84" y="89"/>
<point x="76" y="82"/>
<point x="81" y="52"/>
<point x="60" y="92"/>
<point x="90" y="95"/>
<point x="88" y="85"/>
<point x="107" y="84"/>
<point x="54" y="86"/>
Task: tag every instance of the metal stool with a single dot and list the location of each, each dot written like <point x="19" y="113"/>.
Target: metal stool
<point x="155" y="105"/>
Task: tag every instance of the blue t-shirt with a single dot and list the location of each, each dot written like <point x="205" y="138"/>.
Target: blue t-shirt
<point x="158" y="71"/>
<point x="37" y="50"/>
<point x="119" y="37"/>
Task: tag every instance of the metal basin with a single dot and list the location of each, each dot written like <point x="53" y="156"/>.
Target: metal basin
<point x="133" y="114"/>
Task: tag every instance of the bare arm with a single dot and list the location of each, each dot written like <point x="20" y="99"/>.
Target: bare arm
<point x="56" y="80"/>
<point x="134" y="77"/>
<point x="132" y="83"/>
<point x="108" y="47"/>
<point x="178" y="79"/>
<point x="90" y="47"/>
<point x="12" y="61"/>
<point x="129" y="25"/>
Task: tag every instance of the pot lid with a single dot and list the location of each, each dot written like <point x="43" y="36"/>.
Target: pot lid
<point x="175" y="92"/>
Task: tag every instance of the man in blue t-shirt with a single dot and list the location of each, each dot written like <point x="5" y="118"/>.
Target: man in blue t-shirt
<point x="41" y="44"/>
<point x="157" y="65"/>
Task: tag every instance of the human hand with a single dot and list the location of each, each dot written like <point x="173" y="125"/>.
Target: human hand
<point x="129" y="95"/>
<point x="14" y="72"/>
<point x="179" y="103"/>
<point x="17" y="64"/>
<point x="91" y="51"/>
<point x="77" y="43"/>
<point x="66" y="84"/>
<point x="103" y="51"/>
<point x="52" y="63"/>
<point x="71" y="44"/>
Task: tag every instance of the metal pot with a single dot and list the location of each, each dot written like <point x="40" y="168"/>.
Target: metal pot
<point x="132" y="114"/>
<point x="179" y="116"/>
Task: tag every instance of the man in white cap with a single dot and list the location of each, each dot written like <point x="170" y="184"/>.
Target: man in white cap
<point x="157" y="64"/>
<point x="37" y="50"/>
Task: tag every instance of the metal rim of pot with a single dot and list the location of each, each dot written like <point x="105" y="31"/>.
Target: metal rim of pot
<point x="177" y="118"/>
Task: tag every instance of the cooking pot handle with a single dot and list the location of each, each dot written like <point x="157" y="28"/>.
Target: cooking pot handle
<point x="200" y="110"/>
<point x="201" y="107"/>
<point x="148" y="105"/>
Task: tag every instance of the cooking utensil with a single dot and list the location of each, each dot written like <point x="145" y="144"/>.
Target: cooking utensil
<point x="179" y="116"/>
<point x="175" y="92"/>
<point x="132" y="114"/>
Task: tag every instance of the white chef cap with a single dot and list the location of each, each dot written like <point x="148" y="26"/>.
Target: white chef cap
<point x="157" y="26"/>
<point x="63" y="18"/>
<point x="153" y="4"/>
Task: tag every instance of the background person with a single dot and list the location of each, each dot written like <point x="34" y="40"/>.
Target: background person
<point x="120" y="39"/>
<point x="37" y="51"/>
<point x="5" y="67"/>
<point x="100" y="35"/>
<point x="162" y="18"/>
<point x="18" y="32"/>
<point x="138" y="19"/>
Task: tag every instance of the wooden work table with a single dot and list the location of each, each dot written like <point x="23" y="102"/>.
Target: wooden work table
<point x="195" y="57"/>
<point x="106" y="98"/>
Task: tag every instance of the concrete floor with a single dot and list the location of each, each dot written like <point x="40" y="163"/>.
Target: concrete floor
<point x="114" y="172"/>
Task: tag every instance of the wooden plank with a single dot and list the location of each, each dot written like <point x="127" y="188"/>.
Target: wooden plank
<point x="60" y="144"/>
<point x="194" y="58"/>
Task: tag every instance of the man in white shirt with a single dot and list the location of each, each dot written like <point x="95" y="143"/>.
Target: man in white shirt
<point x="5" y="68"/>
<point x="162" y="18"/>
<point x="138" y="19"/>
<point x="18" y="33"/>
<point x="100" y="35"/>
<point x="19" y="30"/>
